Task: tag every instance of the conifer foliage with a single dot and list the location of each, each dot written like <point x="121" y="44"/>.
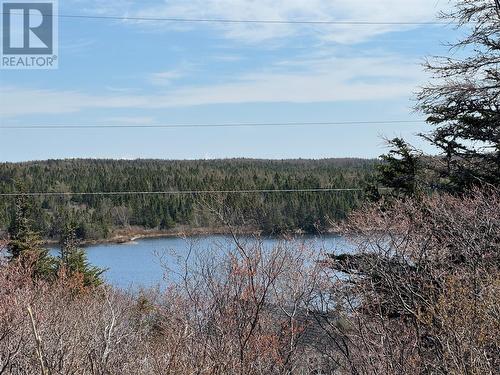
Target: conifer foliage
<point x="401" y="168"/>
<point x="73" y="263"/>
<point x="26" y="245"/>
<point x="463" y="101"/>
<point x="96" y="216"/>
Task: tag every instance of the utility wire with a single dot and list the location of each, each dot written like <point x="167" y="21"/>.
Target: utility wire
<point x="182" y="192"/>
<point x="230" y="125"/>
<point x="243" y="21"/>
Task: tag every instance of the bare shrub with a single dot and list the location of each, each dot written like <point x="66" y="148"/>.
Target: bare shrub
<point x="243" y="309"/>
<point x="420" y="296"/>
<point x="237" y="310"/>
<point x="421" y="293"/>
<point x="80" y="333"/>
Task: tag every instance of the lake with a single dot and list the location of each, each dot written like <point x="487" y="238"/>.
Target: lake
<point x="141" y="264"/>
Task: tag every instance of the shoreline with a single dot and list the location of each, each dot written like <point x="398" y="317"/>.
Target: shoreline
<point x="124" y="236"/>
<point x="130" y="235"/>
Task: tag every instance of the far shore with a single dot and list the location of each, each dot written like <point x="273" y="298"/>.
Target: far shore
<point x="124" y="236"/>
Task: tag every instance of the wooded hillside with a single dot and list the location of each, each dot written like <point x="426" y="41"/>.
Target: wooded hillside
<point x="97" y="216"/>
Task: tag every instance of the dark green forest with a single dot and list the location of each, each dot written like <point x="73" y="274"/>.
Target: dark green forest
<point x="96" y="217"/>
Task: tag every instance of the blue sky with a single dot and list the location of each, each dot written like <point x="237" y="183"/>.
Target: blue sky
<point x="143" y="73"/>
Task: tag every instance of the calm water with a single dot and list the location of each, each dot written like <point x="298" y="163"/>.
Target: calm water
<point x="142" y="263"/>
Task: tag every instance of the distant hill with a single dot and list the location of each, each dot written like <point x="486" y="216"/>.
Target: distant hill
<point x="98" y="216"/>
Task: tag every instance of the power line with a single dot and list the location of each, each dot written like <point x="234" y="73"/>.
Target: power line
<point x="247" y="21"/>
<point x="183" y="192"/>
<point x="228" y="125"/>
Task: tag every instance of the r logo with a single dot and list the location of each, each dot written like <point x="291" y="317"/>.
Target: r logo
<point x="28" y="28"/>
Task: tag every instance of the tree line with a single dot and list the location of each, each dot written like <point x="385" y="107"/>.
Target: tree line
<point x="95" y="217"/>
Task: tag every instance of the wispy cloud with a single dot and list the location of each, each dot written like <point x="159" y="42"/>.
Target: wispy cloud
<point x="79" y="46"/>
<point x="170" y="76"/>
<point x="322" y="79"/>
<point x="165" y="78"/>
<point x="227" y="58"/>
<point x="285" y="10"/>
<point x="120" y="89"/>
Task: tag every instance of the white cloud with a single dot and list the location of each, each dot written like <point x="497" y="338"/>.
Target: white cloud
<point x="227" y="58"/>
<point x="289" y="10"/>
<point x="120" y="89"/>
<point x="166" y="78"/>
<point x="323" y="79"/>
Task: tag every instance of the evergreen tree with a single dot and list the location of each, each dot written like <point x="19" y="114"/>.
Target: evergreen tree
<point x="97" y="216"/>
<point x="26" y="244"/>
<point x="464" y="102"/>
<point x="73" y="260"/>
<point x="401" y="169"/>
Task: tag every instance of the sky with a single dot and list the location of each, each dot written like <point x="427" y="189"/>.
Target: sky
<point x="125" y="72"/>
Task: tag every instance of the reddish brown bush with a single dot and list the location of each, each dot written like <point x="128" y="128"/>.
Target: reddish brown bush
<point x="236" y="311"/>
<point x="420" y="295"/>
